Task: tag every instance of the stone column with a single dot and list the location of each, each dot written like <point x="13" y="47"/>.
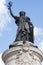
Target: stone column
<point x="23" y="54"/>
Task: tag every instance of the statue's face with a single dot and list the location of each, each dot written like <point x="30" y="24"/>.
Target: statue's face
<point x="22" y="13"/>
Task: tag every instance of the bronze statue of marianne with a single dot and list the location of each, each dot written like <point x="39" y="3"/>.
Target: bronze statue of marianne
<point x="25" y="27"/>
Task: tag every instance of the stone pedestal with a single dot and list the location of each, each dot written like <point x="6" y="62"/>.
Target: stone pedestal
<point x="23" y="54"/>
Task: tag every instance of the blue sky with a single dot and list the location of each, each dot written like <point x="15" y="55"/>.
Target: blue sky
<point x="8" y="28"/>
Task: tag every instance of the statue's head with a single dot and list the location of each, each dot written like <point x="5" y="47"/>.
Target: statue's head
<point x="22" y="13"/>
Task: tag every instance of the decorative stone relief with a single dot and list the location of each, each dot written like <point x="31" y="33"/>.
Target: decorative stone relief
<point x="27" y="59"/>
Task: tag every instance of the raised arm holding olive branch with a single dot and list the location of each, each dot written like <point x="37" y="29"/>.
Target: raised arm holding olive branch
<point x="9" y="7"/>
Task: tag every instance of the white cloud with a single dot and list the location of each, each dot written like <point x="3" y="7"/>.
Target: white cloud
<point x="38" y="31"/>
<point x="4" y="16"/>
<point x="1" y="62"/>
<point x="41" y="45"/>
